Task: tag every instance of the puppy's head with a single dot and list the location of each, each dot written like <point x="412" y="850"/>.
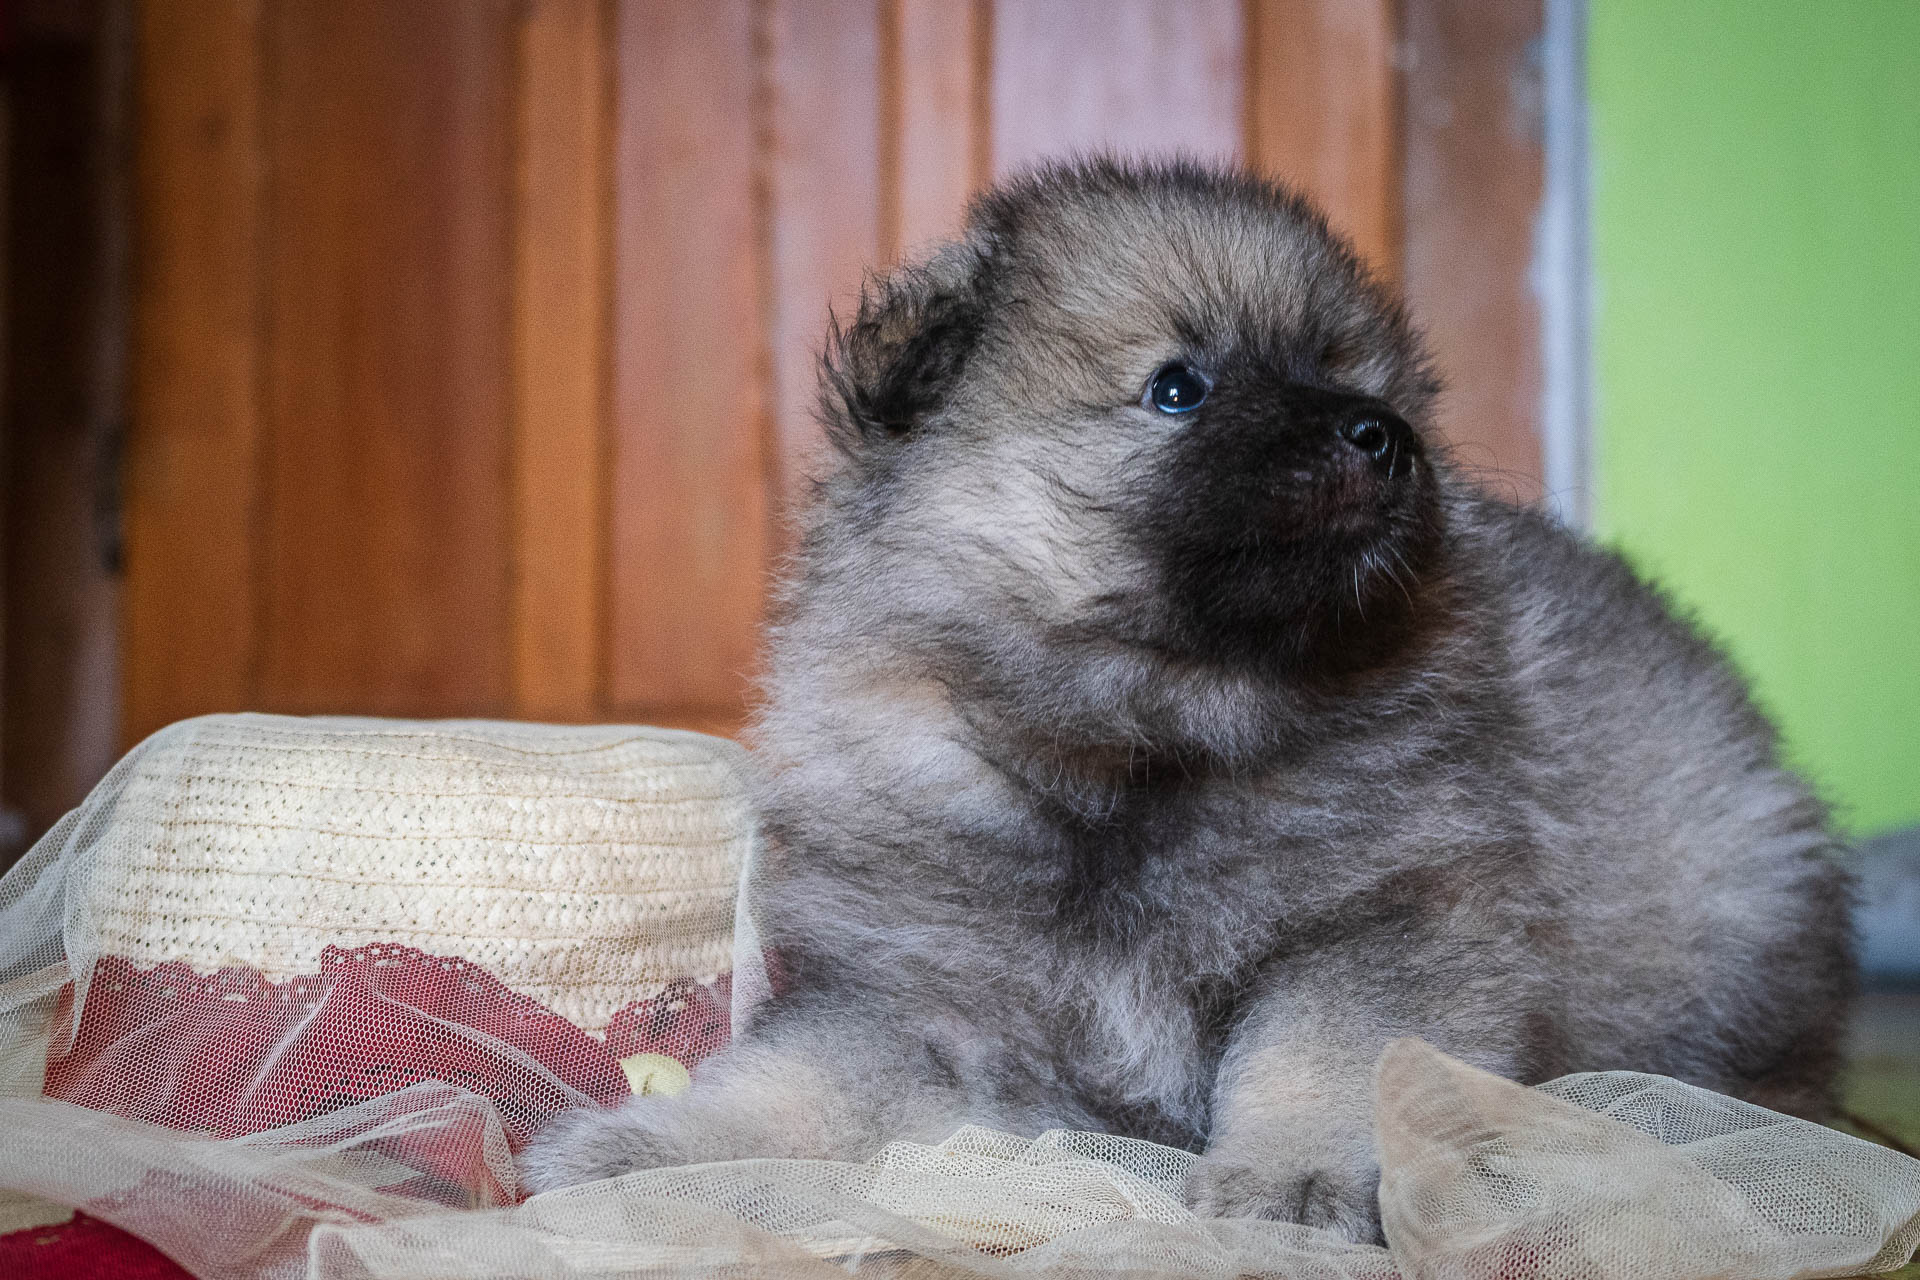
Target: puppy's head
<point x="1138" y="418"/>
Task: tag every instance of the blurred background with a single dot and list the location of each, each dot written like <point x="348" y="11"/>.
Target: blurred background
<point x="455" y="357"/>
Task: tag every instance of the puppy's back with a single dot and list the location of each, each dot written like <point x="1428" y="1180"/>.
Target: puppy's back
<point x="1700" y="883"/>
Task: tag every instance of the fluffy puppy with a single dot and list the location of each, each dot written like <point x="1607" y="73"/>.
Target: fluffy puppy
<point x="1156" y="728"/>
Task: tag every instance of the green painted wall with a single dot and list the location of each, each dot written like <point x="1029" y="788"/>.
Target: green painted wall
<point x="1756" y="223"/>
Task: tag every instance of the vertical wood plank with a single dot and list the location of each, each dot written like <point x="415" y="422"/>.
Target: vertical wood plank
<point x="690" y="469"/>
<point x="560" y="301"/>
<point x="936" y="126"/>
<point x="193" y="439"/>
<point x="1131" y="75"/>
<point x="1323" y="112"/>
<point x="824" y="173"/>
<point x="1474" y="174"/>
<point x="385" y="578"/>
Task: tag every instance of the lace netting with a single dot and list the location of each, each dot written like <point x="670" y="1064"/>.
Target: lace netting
<point x="284" y="997"/>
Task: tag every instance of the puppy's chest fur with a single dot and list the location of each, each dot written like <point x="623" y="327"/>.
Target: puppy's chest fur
<point x="1114" y="935"/>
<point x="1154" y="954"/>
<point x="1161" y="907"/>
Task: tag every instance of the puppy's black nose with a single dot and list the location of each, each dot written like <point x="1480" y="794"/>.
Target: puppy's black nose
<point x="1384" y="438"/>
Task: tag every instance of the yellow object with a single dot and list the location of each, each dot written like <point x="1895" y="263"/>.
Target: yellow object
<point x="655" y="1075"/>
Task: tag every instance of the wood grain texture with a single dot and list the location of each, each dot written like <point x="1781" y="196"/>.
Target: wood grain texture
<point x="1474" y="170"/>
<point x="824" y="186"/>
<point x="385" y="582"/>
<point x="1130" y="75"/>
<point x="193" y="445"/>
<point x="1323" y="112"/>
<point x="560" y="316"/>
<point x="691" y="476"/>
<point x="477" y="339"/>
<point x="936" y="134"/>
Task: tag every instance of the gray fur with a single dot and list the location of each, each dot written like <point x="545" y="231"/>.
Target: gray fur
<point x="1106" y="790"/>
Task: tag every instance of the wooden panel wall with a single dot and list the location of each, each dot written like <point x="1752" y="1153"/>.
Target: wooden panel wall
<point x="690" y="509"/>
<point x="1126" y="75"/>
<point x="1323" y="109"/>
<point x="384" y="496"/>
<point x="476" y="339"/>
<point x="192" y="469"/>
<point x="936" y="135"/>
<point x="562" y="289"/>
<point x="1473" y="174"/>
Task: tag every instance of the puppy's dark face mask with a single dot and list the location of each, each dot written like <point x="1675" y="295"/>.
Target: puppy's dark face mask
<point x="1288" y="522"/>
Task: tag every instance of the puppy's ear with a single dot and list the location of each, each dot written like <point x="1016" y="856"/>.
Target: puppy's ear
<point x="885" y="373"/>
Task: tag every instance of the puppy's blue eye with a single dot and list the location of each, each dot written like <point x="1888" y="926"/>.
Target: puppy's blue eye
<point x="1176" y="388"/>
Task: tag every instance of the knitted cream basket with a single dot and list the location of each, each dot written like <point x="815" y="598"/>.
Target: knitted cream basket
<point x="283" y="998"/>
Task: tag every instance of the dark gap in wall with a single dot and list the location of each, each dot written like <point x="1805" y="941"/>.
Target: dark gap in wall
<point x="67" y="74"/>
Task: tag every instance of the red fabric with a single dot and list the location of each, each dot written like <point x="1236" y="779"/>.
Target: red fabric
<point x="688" y="1021"/>
<point x="83" y="1249"/>
<point x="232" y="1053"/>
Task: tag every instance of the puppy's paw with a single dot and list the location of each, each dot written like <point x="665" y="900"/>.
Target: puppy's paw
<point x="1346" y="1202"/>
<point x="589" y="1144"/>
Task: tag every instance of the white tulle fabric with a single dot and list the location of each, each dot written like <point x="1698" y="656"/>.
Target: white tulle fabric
<point x="284" y="997"/>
